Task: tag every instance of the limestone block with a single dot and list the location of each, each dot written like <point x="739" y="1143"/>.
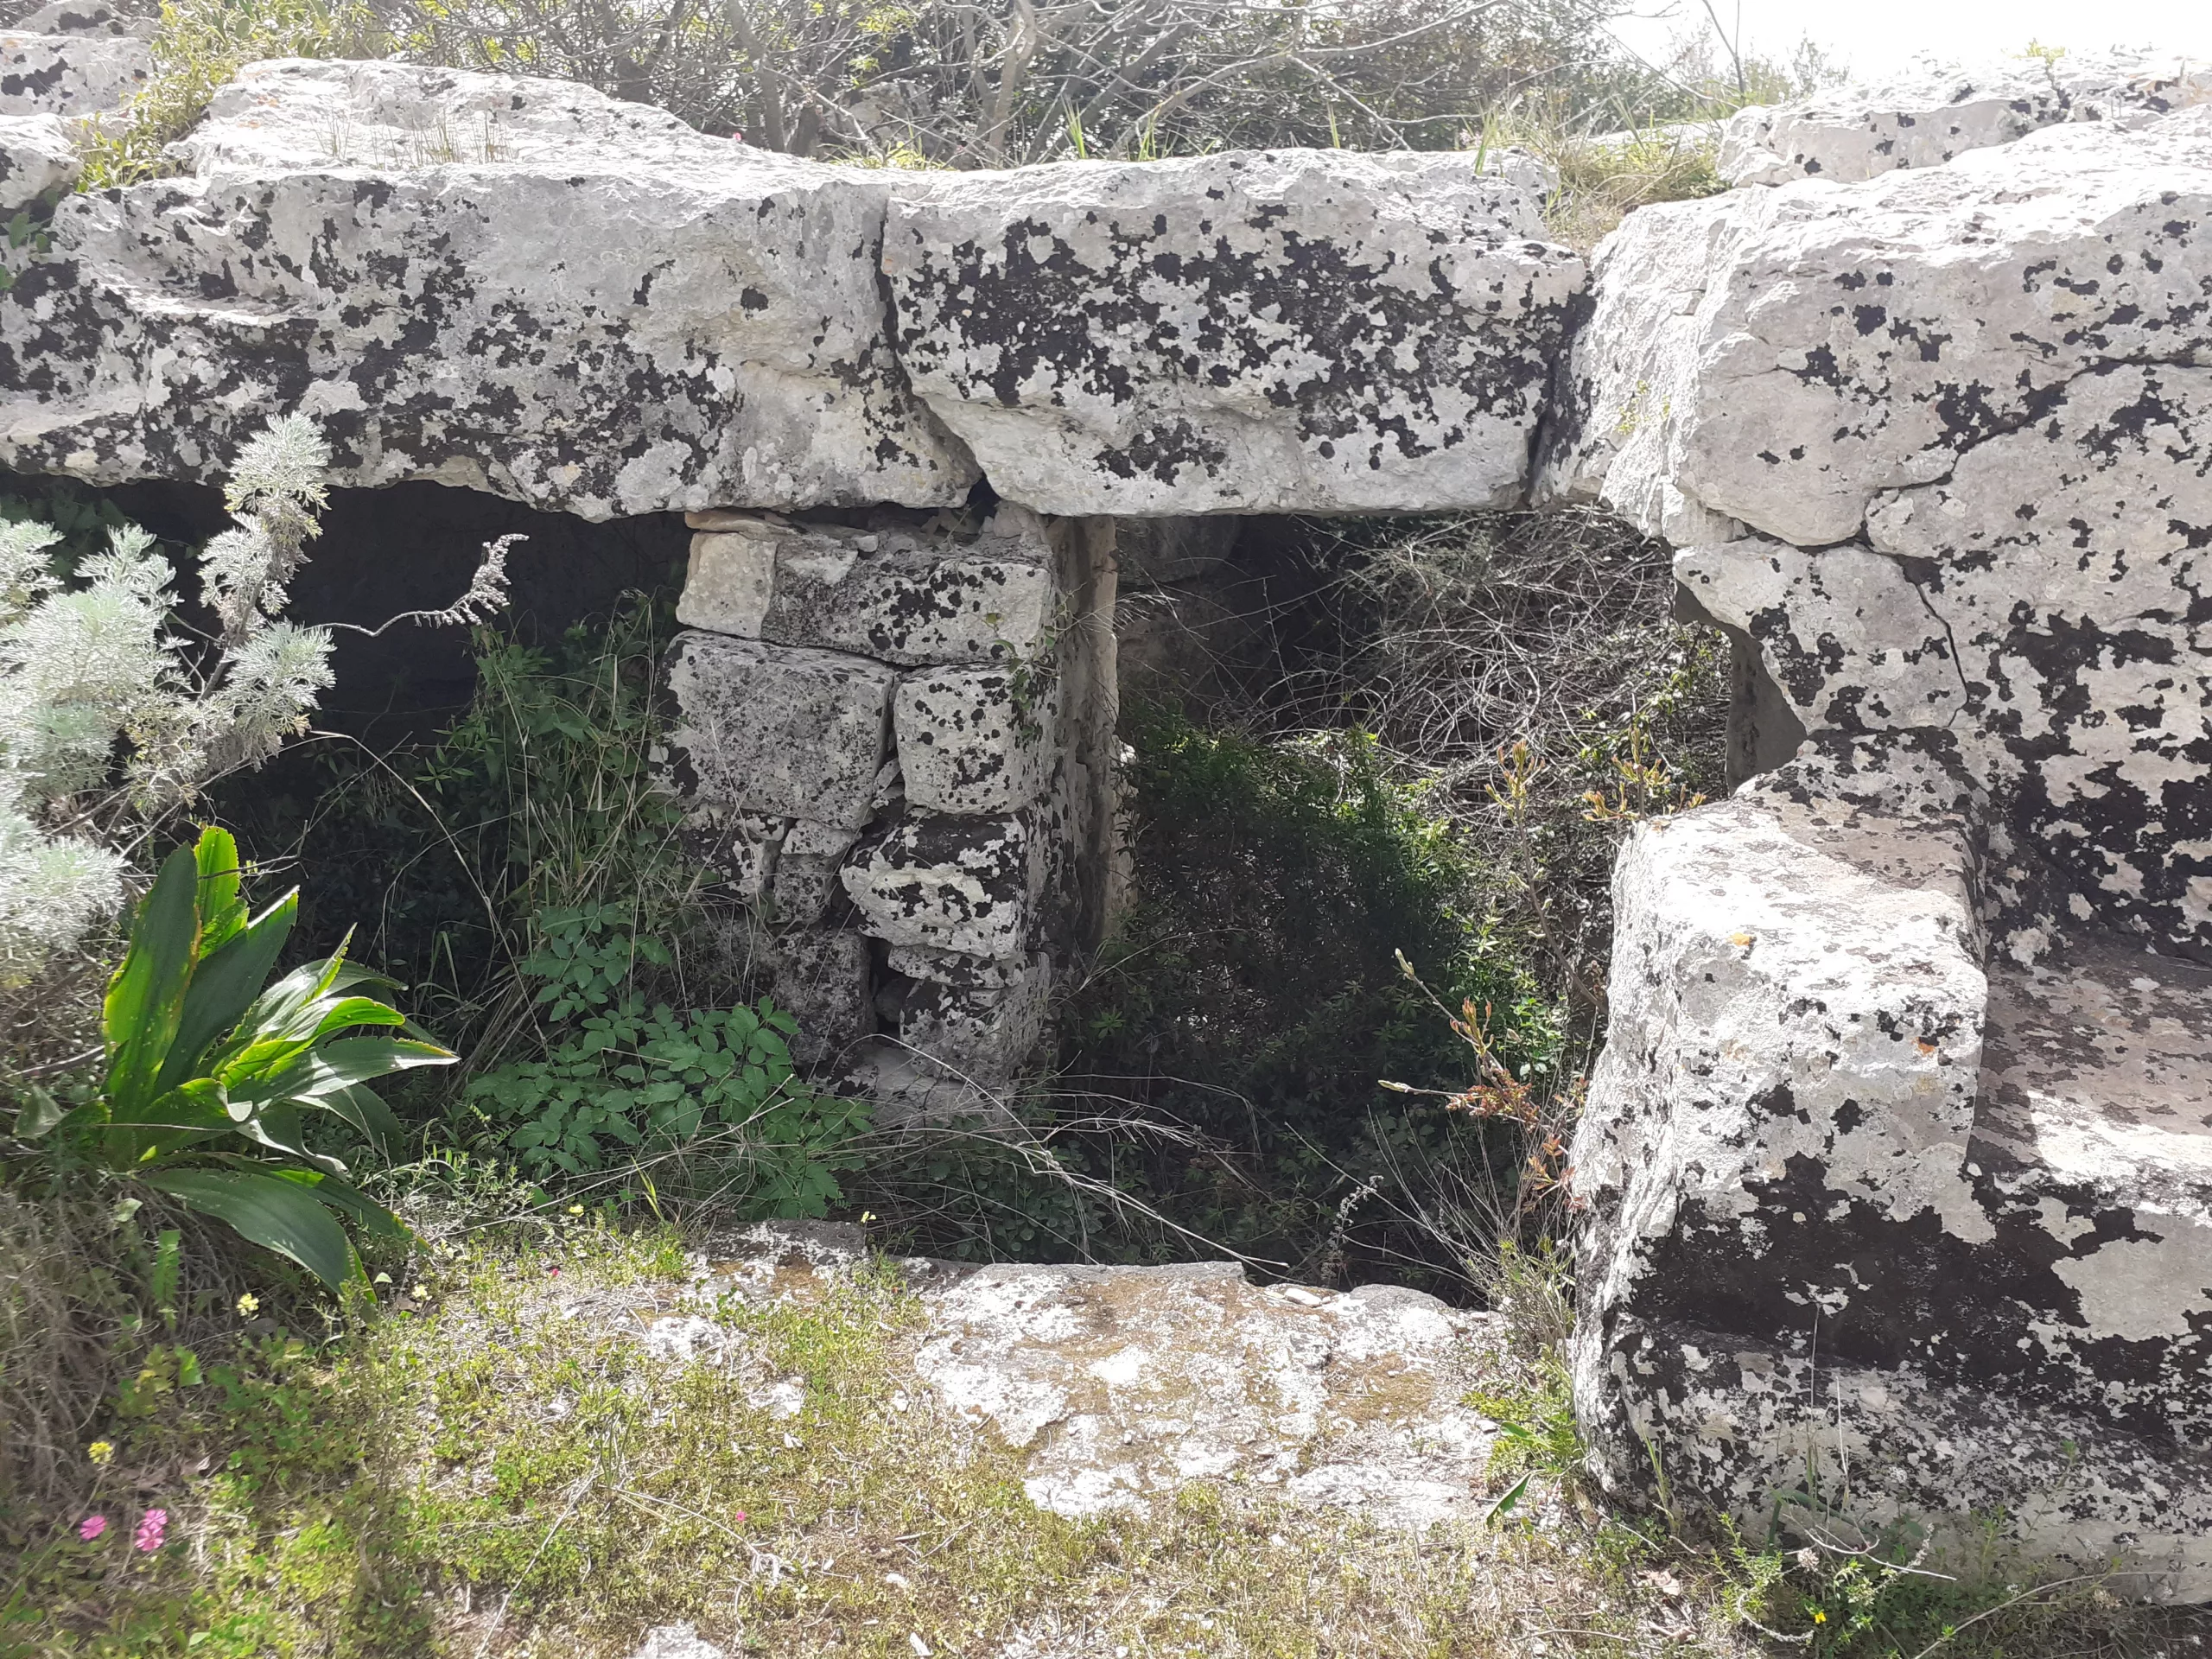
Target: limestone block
<point x="943" y="883"/>
<point x="980" y="1019"/>
<point x="70" y="74"/>
<point x="807" y="864"/>
<point x="821" y="976"/>
<point x="2059" y="574"/>
<point x="948" y="591"/>
<point x="1934" y="111"/>
<point x="1850" y="1197"/>
<point x="515" y="285"/>
<point x="1782" y="357"/>
<point x="37" y="158"/>
<point x="1287" y="330"/>
<point x="975" y="740"/>
<point x="741" y="847"/>
<point x="786" y="732"/>
<point x="88" y="17"/>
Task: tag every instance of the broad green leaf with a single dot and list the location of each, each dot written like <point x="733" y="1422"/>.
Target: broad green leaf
<point x="224" y="986"/>
<point x="276" y="1214"/>
<point x="363" y="1107"/>
<point x="351" y="1201"/>
<point x="145" y="1000"/>
<point x="222" y="912"/>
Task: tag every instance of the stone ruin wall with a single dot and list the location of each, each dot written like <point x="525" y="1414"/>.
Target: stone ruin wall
<point x="1897" y="1174"/>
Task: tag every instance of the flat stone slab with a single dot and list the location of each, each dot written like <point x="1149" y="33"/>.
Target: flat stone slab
<point x="1278" y="331"/>
<point x="1119" y="1386"/>
<point x="520" y="286"/>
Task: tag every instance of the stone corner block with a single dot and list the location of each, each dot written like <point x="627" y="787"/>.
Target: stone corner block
<point x="944" y="883"/>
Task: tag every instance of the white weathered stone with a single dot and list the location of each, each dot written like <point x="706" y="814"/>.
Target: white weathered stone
<point x="976" y="739"/>
<point x="774" y="730"/>
<point x="951" y="589"/>
<point x="88" y="17"/>
<point x="678" y="1642"/>
<point x="37" y="158"/>
<point x="1287" y="330"/>
<point x="2039" y="617"/>
<point x="943" y="883"/>
<point x="70" y="74"/>
<point x="1782" y="357"/>
<point x="1119" y="1386"/>
<point x="1864" y="1216"/>
<point x="1935" y="111"/>
<point x="521" y="286"/>
<point x="807" y="862"/>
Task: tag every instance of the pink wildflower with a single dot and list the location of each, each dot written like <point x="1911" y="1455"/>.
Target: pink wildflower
<point x="151" y="1526"/>
<point x="91" y="1527"/>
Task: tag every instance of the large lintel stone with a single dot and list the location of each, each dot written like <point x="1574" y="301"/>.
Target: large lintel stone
<point x="1258" y="332"/>
<point x="516" y="285"/>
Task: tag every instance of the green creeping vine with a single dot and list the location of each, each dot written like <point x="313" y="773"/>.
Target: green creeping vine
<point x="208" y="1073"/>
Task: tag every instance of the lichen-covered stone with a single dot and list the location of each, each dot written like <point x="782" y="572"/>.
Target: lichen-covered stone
<point x="1934" y="111"/>
<point x="773" y="730"/>
<point x="979" y="1019"/>
<point x="1782" y="357"/>
<point x="37" y="158"/>
<point x="946" y="883"/>
<point x="1865" y="1216"/>
<point x="70" y="74"/>
<point x="951" y="589"/>
<point x="976" y="739"/>
<point x="517" y="285"/>
<point x="1288" y="331"/>
<point x="2035" y="616"/>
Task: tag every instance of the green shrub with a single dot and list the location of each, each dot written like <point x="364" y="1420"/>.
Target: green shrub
<point x="1254" y="997"/>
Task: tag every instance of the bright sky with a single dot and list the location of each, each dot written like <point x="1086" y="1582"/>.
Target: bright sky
<point x="1875" y="35"/>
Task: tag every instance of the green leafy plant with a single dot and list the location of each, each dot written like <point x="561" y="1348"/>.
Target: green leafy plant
<point x="210" y="1071"/>
<point x="619" y="1071"/>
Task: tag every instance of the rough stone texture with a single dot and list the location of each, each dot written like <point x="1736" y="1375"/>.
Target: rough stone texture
<point x="975" y="740"/>
<point x="2002" y="616"/>
<point x="950" y="589"/>
<point x="1935" y="111"/>
<point x="1897" y="1166"/>
<point x="1869" y="1219"/>
<point x="62" y="74"/>
<point x="938" y="883"/>
<point x="1118" y="1387"/>
<point x="778" y="731"/>
<point x="81" y="18"/>
<point x="1782" y="357"/>
<point x="678" y="1642"/>
<point x="976" y="1018"/>
<point x="37" y="158"/>
<point x="1292" y="331"/>
<point x="516" y="285"/>
<point x="1123" y="1384"/>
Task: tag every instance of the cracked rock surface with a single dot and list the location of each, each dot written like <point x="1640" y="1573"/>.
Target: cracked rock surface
<point x="516" y="285"/>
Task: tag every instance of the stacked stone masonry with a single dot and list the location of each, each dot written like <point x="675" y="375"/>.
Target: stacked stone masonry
<point x="1895" y="1177"/>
